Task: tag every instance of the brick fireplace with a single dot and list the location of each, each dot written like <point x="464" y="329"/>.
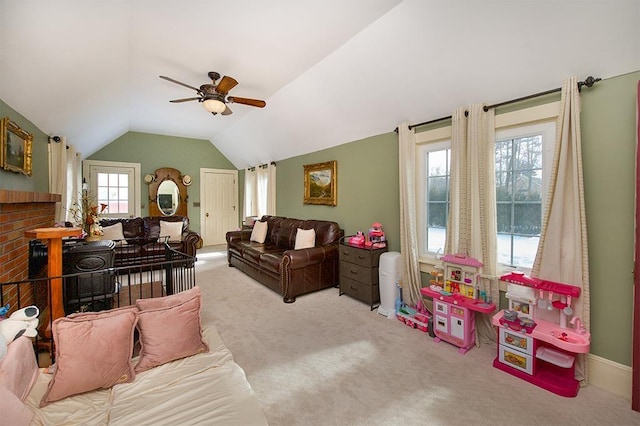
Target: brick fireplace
<point x="21" y="211"/>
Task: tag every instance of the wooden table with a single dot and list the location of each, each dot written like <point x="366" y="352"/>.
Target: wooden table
<point x="53" y="237"/>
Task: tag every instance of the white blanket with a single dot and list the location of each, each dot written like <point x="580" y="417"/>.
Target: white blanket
<point x="202" y="389"/>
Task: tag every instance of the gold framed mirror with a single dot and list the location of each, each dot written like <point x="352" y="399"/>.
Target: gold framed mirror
<point x="167" y="193"/>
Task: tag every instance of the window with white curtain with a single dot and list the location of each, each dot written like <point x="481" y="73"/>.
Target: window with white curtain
<point x="260" y="190"/>
<point x="524" y="150"/>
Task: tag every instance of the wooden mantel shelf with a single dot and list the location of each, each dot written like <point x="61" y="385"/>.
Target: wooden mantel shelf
<point x="53" y="237"/>
<point x="12" y="197"/>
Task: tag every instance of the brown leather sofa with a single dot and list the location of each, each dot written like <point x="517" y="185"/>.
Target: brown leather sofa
<point x="277" y="265"/>
<point x="143" y="245"/>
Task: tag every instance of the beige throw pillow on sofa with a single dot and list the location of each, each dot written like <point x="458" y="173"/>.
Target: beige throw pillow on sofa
<point x="259" y="232"/>
<point x="173" y="230"/>
<point x="305" y="238"/>
<point x="113" y="232"/>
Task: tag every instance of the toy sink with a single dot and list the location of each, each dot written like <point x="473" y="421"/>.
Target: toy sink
<point x="570" y="340"/>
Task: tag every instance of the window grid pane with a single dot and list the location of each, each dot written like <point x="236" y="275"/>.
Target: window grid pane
<point x="437" y="198"/>
<point x="518" y="199"/>
<point x="113" y="191"/>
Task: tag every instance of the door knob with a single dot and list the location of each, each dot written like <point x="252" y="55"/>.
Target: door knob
<point x="206" y="214"/>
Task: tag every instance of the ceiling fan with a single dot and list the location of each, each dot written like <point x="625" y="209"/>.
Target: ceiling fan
<point x="214" y="96"/>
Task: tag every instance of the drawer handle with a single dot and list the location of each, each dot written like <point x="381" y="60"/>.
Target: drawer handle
<point x="353" y="288"/>
<point x="354" y="272"/>
<point x="362" y="257"/>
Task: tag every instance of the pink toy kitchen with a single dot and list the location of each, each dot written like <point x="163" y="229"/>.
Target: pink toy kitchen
<point x="540" y="351"/>
<point x="456" y="298"/>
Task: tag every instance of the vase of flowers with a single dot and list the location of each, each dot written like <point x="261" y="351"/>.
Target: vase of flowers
<point x="86" y="213"/>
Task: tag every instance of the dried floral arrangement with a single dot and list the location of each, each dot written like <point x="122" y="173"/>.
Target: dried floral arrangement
<point x="86" y="213"/>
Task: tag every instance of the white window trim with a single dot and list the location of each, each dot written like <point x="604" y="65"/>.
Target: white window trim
<point x="503" y="124"/>
<point x="137" y="197"/>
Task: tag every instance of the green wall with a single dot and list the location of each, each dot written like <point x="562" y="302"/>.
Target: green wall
<point x="156" y="151"/>
<point x="367" y="186"/>
<point x="39" y="180"/>
<point x="608" y="155"/>
<point x="368" y="192"/>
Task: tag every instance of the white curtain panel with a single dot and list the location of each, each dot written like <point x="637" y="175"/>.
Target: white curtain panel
<point x="64" y="176"/>
<point x="410" y="270"/>
<point x="471" y="227"/>
<point x="250" y="193"/>
<point x="563" y="251"/>
<point x="74" y="182"/>
<point x="271" y="192"/>
<point x="260" y="190"/>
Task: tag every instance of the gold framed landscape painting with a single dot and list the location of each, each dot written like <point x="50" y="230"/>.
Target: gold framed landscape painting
<point x="16" y="146"/>
<point x="320" y="183"/>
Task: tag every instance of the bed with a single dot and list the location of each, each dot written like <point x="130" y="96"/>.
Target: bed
<point x="206" y="388"/>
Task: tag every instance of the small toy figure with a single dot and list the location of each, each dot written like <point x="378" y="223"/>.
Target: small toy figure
<point x="23" y="322"/>
<point x="358" y="239"/>
<point x="376" y="236"/>
<point x="4" y="310"/>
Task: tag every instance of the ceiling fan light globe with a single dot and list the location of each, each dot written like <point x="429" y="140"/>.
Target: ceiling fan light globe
<point x="214" y="105"/>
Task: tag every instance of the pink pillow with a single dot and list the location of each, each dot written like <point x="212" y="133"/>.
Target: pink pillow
<point x="14" y="412"/>
<point x="93" y="351"/>
<point x="19" y="368"/>
<point x="170" y="328"/>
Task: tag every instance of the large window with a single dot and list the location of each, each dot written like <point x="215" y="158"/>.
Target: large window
<point x="523" y="154"/>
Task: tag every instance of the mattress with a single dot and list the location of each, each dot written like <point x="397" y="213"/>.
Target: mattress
<point x="208" y="388"/>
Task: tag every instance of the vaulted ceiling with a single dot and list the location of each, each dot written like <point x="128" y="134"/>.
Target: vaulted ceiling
<point x="330" y="72"/>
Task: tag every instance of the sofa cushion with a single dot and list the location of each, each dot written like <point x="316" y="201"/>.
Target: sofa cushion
<point x="305" y="238"/>
<point x="259" y="232"/>
<point x="131" y="227"/>
<point x="286" y="236"/>
<point x="170" y="328"/>
<point x="93" y="351"/>
<point x="173" y="230"/>
<point x="113" y="232"/>
<point x="327" y="233"/>
<point x="272" y="261"/>
<point x="151" y="225"/>
<point x="252" y="251"/>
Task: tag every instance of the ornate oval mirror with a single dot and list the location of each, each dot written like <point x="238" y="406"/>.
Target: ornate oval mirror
<point x="167" y="193"/>
<point x="168" y="197"/>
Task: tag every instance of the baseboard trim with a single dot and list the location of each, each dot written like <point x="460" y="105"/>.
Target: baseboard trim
<point x="611" y="376"/>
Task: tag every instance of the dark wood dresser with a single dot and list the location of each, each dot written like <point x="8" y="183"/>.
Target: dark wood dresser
<point x="359" y="272"/>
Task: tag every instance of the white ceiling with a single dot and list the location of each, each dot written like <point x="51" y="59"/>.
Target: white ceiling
<point x="331" y="72"/>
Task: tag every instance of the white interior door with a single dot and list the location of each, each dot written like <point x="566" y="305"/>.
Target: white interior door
<point x="219" y="204"/>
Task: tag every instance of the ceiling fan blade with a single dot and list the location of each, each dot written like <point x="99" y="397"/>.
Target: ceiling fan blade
<point x="185" y="100"/>
<point x="227" y="111"/>
<point x="246" y="101"/>
<point x="180" y="83"/>
<point x="226" y="84"/>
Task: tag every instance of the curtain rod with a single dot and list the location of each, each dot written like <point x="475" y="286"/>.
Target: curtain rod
<point x="589" y="82"/>
<point x="262" y="166"/>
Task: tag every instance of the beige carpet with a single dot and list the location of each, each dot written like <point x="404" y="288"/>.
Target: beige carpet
<point x="328" y="360"/>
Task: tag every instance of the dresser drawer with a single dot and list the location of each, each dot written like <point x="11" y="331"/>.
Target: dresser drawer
<point x="362" y="257"/>
<point x="360" y="273"/>
<point x="369" y="294"/>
